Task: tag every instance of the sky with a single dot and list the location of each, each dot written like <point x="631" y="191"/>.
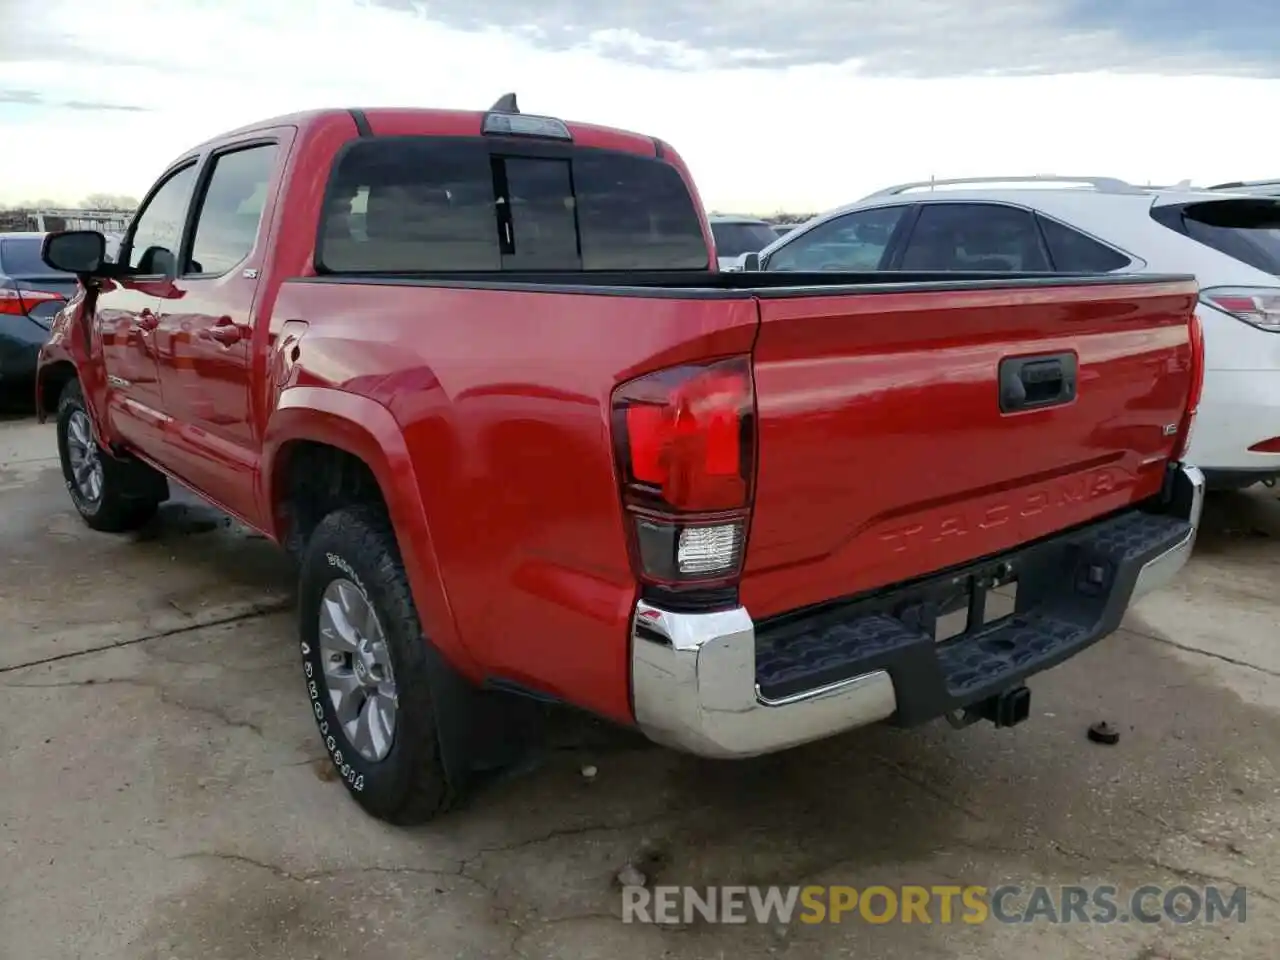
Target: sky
<point x="797" y="106"/>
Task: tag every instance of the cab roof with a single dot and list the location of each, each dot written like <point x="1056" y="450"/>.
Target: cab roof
<point x="422" y="121"/>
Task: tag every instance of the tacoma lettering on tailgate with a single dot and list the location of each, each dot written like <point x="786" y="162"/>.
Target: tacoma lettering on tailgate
<point x="995" y="510"/>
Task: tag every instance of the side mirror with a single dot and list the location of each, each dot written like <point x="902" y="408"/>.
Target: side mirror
<point x="156" y="260"/>
<point x="751" y="261"/>
<point x="82" y="252"/>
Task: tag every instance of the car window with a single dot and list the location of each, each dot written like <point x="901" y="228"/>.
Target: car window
<point x="423" y="204"/>
<point x="20" y="257"/>
<point x="1258" y="247"/>
<point x="1245" y="229"/>
<point x="855" y="241"/>
<point x="227" y="225"/>
<point x="159" y="225"/>
<point x="412" y="203"/>
<point x="974" y="236"/>
<point x="735" y="239"/>
<point x="1073" y="252"/>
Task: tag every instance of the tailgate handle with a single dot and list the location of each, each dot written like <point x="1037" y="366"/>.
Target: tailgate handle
<point x="1029" y="383"/>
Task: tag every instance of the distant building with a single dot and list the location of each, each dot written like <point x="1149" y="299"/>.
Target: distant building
<point x="46" y="220"/>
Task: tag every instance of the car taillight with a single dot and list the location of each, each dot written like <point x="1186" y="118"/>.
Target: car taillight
<point x="22" y="302"/>
<point x="1196" y="388"/>
<point x="1257" y="306"/>
<point x="685" y="444"/>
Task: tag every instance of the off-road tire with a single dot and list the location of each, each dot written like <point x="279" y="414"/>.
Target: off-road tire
<point x="123" y="504"/>
<point x="410" y="785"/>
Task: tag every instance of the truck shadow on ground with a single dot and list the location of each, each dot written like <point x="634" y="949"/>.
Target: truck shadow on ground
<point x="198" y="533"/>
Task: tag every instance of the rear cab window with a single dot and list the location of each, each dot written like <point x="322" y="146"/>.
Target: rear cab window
<point x="459" y="204"/>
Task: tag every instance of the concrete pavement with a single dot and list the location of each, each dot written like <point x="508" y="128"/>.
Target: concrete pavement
<point x="163" y="794"/>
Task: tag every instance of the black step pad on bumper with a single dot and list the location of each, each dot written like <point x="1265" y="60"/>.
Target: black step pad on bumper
<point x="1073" y="589"/>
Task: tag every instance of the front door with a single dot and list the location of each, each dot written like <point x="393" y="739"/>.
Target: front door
<point x="127" y="312"/>
<point x="206" y="343"/>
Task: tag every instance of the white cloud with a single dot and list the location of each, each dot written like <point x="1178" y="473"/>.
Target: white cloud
<point x="921" y="38"/>
<point x="800" y="137"/>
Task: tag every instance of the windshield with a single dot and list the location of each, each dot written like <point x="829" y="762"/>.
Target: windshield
<point x="1248" y="230"/>
<point x="20" y="257"/>
<point x="735" y="239"/>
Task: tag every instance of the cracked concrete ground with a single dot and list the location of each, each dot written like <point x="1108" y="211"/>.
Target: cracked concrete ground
<point x="163" y="795"/>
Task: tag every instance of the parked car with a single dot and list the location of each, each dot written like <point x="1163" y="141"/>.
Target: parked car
<point x="30" y="294"/>
<point x="1094" y="224"/>
<point x="782" y="229"/>
<point x="113" y="244"/>
<point x="735" y="236"/>
<point x="523" y="437"/>
<point x="1262" y="188"/>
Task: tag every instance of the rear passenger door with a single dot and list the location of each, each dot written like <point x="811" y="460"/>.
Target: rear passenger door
<point x="965" y="236"/>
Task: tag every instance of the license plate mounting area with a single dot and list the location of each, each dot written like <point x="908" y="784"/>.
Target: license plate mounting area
<point x="964" y="604"/>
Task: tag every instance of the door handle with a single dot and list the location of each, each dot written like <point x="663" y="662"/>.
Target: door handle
<point x="1029" y="383"/>
<point x="224" y="331"/>
<point x="148" y="320"/>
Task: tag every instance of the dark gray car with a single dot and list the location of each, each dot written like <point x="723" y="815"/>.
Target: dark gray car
<point x="30" y="295"/>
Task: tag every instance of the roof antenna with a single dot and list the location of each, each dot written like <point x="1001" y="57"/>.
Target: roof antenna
<point x="506" y="104"/>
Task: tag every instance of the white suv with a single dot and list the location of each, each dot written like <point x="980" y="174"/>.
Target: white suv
<point x="737" y="236"/>
<point x="1255" y="188"/>
<point x="1230" y="241"/>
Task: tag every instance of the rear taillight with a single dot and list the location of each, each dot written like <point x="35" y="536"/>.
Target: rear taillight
<point x="685" y="443"/>
<point x="11" y="304"/>
<point x="1195" y="388"/>
<point x="21" y="302"/>
<point x="1256" y="306"/>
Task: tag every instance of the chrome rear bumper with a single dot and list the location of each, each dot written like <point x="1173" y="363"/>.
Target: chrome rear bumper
<point x="1188" y="504"/>
<point x="694" y="680"/>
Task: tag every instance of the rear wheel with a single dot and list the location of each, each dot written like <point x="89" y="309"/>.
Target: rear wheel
<point x="105" y="490"/>
<point x="366" y="666"/>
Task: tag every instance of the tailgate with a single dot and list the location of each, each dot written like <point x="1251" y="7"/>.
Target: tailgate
<point x="906" y="430"/>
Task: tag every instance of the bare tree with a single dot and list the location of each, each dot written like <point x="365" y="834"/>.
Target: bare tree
<point x="109" y="201"/>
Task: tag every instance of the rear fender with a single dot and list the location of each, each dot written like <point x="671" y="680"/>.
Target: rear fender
<point x="70" y="348"/>
<point x="367" y="430"/>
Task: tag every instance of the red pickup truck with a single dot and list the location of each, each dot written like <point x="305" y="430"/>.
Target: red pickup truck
<point x="479" y="372"/>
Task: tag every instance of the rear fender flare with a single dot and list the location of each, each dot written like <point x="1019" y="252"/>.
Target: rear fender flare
<point x="366" y="429"/>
